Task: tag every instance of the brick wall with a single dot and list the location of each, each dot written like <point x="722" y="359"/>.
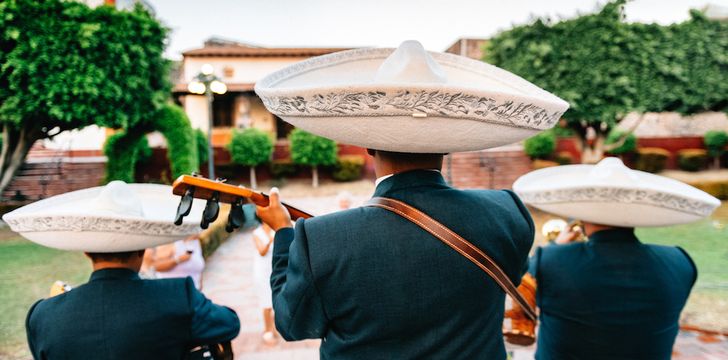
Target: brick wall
<point x="488" y="169"/>
<point x="41" y="178"/>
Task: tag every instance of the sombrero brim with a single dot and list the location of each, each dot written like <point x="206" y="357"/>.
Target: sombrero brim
<point x="480" y="106"/>
<point x="640" y="200"/>
<point x="67" y="222"/>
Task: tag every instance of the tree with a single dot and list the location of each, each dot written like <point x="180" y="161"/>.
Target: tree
<point x="541" y="145"/>
<point x="250" y="147"/>
<point x="628" y="142"/>
<point x="311" y="150"/>
<point x="606" y="68"/>
<point x="65" y="66"/>
<point x="716" y="141"/>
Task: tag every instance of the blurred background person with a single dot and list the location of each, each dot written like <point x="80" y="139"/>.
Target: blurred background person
<point x="262" y="267"/>
<point x="343" y="199"/>
<point x="180" y="259"/>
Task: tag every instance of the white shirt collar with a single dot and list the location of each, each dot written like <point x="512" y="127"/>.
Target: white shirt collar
<point x="385" y="177"/>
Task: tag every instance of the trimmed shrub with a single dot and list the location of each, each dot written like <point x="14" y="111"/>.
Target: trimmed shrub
<point x="173" y="123"/>
<point x="692" y="159"/>
<point x="715" y="141"/>
<point x="629" y="145"/>
<point x="282" y="168"/>
<point x="311" y="150"/>
<point x="348" y="168"/>
<point x="123" y="151"/>
<point x="716" y="188"/>
<point x="201" y="142"/>
<point x="250" y="147"/>
<point x="564" y="158"/>
<point x="540" y="146"/>
<point x="652" y="160"/>
<point x="540" y="164"/>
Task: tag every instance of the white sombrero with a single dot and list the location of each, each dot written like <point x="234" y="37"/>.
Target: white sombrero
<point x="409" y="100"/>
<point x="610" y="193"/>
<point x="112" y="218"/>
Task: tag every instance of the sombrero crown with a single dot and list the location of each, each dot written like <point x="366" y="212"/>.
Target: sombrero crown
<point x="409" y="100"/>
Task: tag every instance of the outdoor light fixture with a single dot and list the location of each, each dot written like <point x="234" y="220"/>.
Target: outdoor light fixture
<point x="207" y="83"/>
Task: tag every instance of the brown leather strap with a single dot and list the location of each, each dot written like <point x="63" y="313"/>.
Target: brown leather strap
<point x="455" y="241"/>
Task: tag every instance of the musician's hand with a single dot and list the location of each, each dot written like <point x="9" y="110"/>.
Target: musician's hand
<point x="275" y="214"/>
<point x="182" y="258"/>
<point x="568" y="235"/>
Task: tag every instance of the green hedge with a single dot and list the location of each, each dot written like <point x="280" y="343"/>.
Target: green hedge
<point x="173" y="123"/>
<point x="629" y="145"/>
<point x="540" y="146"/>
<point x="348" y="168"/>
<point x="692" y="159"/>
<point x="123" y="152"/>
<point x="652" y="160"/>
<point x="716" y="188"/>
<point x="201" y="143"/>
<point x="282" y="168"/>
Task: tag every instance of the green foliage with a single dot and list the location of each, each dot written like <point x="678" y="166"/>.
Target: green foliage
<point x="540" y="146"/>
<point x="348" y="168"/>
<point x="123" y="151"/>
<point x="715" y="141"/>
<point x="629" y="144"/>
<point x="173" y="123"/>
<point x="652" y="160"/>
<point x="201" y="143"/>
<point x="311" y="150"/>
<point x="564" y="158"/>
<point x="67" y="65"/>
<point x="692" y="159"/>
<point x="250" y="147"/>
<point x="605" y="67"/>
<point x="282" y="168"/>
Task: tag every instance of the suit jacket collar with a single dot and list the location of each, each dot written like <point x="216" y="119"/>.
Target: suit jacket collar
<point x="114" y="274"/>
<point x="614" y="235"/>
<point x="410" y="179"/>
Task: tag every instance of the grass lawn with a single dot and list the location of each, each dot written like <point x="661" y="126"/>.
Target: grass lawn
<point x="27" y="271"/>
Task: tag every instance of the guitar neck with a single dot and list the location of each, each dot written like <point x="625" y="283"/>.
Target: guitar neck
<point x="205" y="188"/>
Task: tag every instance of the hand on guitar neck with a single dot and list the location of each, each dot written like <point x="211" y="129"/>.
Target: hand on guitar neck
<point x="216" y="191"/>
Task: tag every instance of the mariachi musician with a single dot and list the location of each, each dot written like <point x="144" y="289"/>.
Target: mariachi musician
<point x="382" y="281"/>
<point x="611" y="297"/>
<point x="117" y="315"/>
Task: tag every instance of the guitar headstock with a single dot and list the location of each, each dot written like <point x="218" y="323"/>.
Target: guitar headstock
<point x="191" y="187"/>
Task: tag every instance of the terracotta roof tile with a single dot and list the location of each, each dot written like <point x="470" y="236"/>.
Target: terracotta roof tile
<point x="245" y="51"/>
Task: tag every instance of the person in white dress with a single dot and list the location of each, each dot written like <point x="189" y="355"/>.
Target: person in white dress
<point x="180" y="259"/>
<point x="262" y="268"/>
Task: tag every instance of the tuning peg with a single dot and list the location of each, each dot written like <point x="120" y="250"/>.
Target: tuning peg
<point x="212" y="209"/>
<point x="185" y="205"/>
<point x="236" y="218"/>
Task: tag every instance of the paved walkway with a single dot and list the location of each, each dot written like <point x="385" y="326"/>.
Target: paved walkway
<point x="228" y="280"/>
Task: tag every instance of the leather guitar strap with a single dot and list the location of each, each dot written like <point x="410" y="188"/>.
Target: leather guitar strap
<point x="455" y="241"/>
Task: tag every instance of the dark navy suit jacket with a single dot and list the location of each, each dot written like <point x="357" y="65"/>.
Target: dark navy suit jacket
<point x="376" y="286"/>
<point x="610" y="298"/>
<point x="117" y="315"/>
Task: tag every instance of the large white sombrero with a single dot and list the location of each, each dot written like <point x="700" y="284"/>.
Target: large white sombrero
<point x="112" y="218"/>
<point x="409" y="100"/>
<point x="612" y="194"/>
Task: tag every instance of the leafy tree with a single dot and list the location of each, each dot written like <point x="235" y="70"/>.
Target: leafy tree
<point x="65" y="66"/>
<point x="716" y="141"/>
<point x="606" y="68"/>
<point x="541" y="145"/>
<point x="251" y="147"/>
<point x="312" y="150"/>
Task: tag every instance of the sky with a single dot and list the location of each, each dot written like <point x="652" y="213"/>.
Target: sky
<point x="380" y="23"/>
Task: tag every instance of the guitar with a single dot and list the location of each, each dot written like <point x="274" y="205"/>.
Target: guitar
<point x="221" y="351"/>
<point x="191" y="187"/>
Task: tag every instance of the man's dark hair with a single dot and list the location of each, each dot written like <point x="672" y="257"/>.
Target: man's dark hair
<point x="410" y="158"/>
<point x="115" y="256"/>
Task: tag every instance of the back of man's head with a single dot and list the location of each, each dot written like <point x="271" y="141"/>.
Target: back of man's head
<point x="126" y="259"/>
<point x="395" y="162"/>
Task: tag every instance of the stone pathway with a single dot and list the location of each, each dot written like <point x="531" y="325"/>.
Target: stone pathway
<point x="228" y="280"/>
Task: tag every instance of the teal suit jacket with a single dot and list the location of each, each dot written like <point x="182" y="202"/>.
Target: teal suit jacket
<point x="373" y="285"/>
<point x="117" y="315"/>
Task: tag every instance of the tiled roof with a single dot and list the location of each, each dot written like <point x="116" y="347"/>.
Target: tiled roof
<point x="246" y="51"/>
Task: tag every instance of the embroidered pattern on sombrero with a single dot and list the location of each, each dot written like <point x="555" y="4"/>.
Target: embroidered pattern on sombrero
<point x="83" y="223"/>
<point x="404" y="103"/>
<point x="619" y="195"/>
